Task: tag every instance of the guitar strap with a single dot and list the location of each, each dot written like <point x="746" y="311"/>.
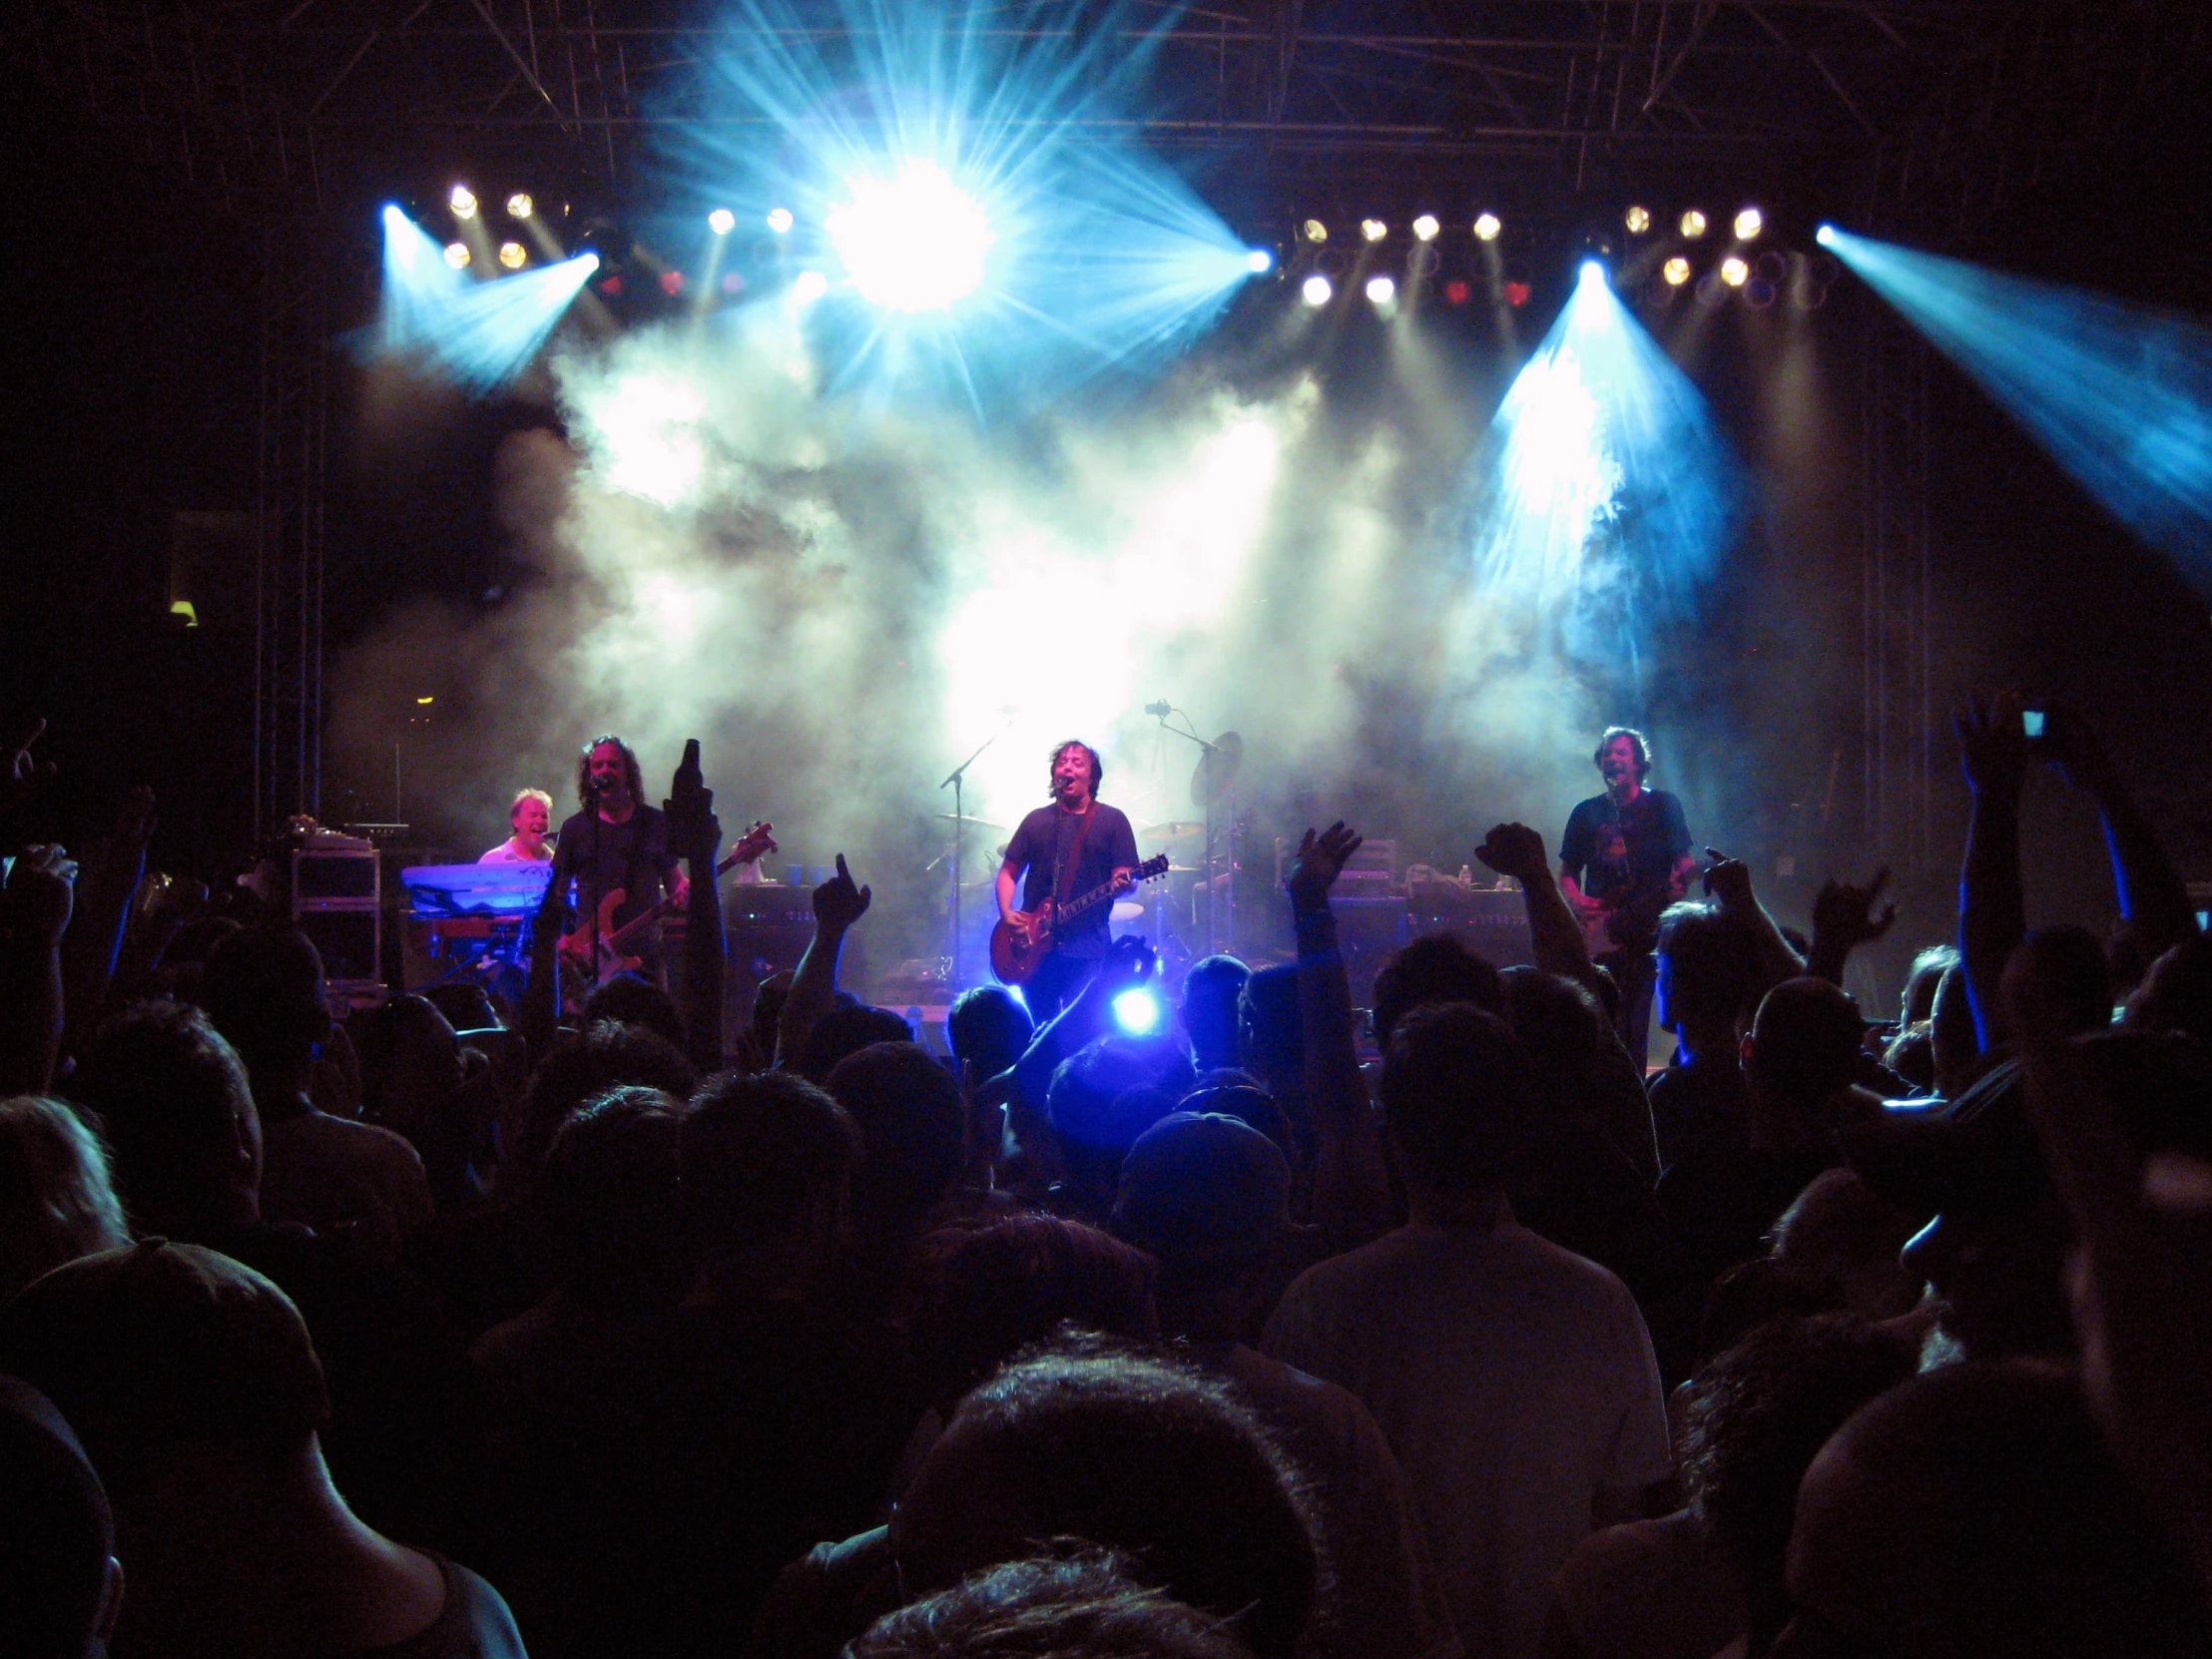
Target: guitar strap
<point x="1064" y="872"/>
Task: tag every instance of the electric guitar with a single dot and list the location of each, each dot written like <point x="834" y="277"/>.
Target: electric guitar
<point x="1017" y="948"/>
<point x="577" y="949"/>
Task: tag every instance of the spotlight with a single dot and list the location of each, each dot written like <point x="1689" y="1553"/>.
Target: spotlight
<point x="1734" y="271"/>
<point x="456" y="254"/>
<point x="913" y="243"/>
<point x="1693" y="224"/>
<point x="1258" y="261"/>
<point x="722" y="222"/>
<point x="808" y="285"/>
<point x="1317" y="290"/>
<point x="779" y="219"/>
<point x="1676" y="271"/>
<point x="1749" y="224"/>
<point x="1487" y="227"/>
<point x="1373" y="228"/>
<point x="1825" y="235"/>
<point x="1382" y="290"/>
<point x="732" y="283"/>
<point x="1591" y="275"/>
<point x="1137" y="1012"/>
<point x="1426" y="227"/>
<point x="1638" y="220"/>
<point x="1314" y="231"/>
<point x="462" y="201"/>
<point x="513" y="256"/>
<point x="1456" y="293"/>
<point x="1518" y="295"/>
<point x="672" y="283"/>
<point x="519" y="204"/>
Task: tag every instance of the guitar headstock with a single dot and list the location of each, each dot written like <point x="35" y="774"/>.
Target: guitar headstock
<point x="1151" y="870"/>
<point x="754" y="843"/>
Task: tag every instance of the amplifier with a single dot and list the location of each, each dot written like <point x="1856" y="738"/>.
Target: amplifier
<point x="1492" y="923"/>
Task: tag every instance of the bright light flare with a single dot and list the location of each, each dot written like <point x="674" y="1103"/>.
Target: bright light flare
<point x="1258" y="261"/>
<point x="462" y="201"/>
<point x="1749" y="224"/>
<point x="915" y="241"/>
<point x="1693" y="224"/>
<point x="1374" y="229"/>
<point x="1381" y="290"/>
<point x="1137" y="1012"/>
<point x="513" y="254"/>
<point x="1487" y="228"/>
<point x="519" y="204"/>
<point x="780" y="221"/>
<point x="457" y="254"/>
<point x="722" y="222"/>
<point x="808" y="285"/>
<point x="1638" y="220"/>
<point x="1676" y="271"/>
<point x="1317" y="290"/>
<point x="1734" y="271"/>
<point x="2120" y="396"/>
<point x="479" y="334"/>
<point x="1426" y="227"/>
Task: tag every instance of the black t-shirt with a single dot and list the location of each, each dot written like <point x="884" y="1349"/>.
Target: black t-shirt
<point x="1043" y="843"/>
<point x="1624" y="855"/>
<point x="601" y="857"/>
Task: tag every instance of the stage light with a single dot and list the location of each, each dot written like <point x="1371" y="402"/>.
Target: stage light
<point x="456" y="254"/>
<point x="1426" y="227"/>
<point x="1734" y="271"/>
<point x="1590" y="273"/>
<point x="915" y="241"/>
<point x="1693" y="224"/>
<point x="732" y="283"/>
<point x="779" y="219"/>
<point x="480" y="335"/>
<point x="1382" y="290"/>
<point x="612" y="285"/>
<point x="1137" y="1012"/>
<point x="1638" y="220"/>
<point x="672" y="283"/>
<point x="462" y="201"/>
<point x="513" y="254"/>
<point x="808" y="285"/>
<point x="1258" y="261"/>
<point x="722" y="222"/>
<point x="1374" y="229"/>
<point x="1314" y="231"/>
<point x="1456" y="293"/>
<point x="1749" y="224"/>
<point x="1317" y="290"/>
<point x="1487" y="227"/>
<point x="1676" y="271"/>
<point x="519" y="204"/>
<point x="1517" y="294"/>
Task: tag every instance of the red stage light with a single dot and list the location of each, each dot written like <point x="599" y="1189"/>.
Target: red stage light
<point x="1455" y="293"/>
<point x="612" y="285"/>
<point x="1516" y="294"/>
<point x="672" y="283"/>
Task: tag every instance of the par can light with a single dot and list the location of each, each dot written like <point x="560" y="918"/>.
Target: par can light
<point x="1487" y="227"/>
<point x="1317" y="290"/>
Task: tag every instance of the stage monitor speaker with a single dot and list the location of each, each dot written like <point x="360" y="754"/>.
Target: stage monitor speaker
<point x="346" y="939"/>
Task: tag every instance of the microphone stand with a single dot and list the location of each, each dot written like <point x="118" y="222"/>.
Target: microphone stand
<point x="956" y="782"/>
<point x="1213" y="897"/>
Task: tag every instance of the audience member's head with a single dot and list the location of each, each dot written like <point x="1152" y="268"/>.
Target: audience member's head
<point x="1745" y="1297"/>
<point x="1100" y="1100"/>
<point x="610" y="1198"/>
<point x="1271" y="1033"/>
<point x="1759" y="1412"/>
<point x="1437" y="968"/>
<point x="1841" y="1229"/>
<point x="993" y="1290"/>
<point x="2176" y="993"/>
<point x="1083" y="1604"/>
<point x="60" y="1587"/>
<point x="56" y="1201"/>
<point x="634" y="999"/>
<point x="987" y="1027"/>
<point x="907" y="1108"/>
<point x="1955" y="1049"/>
<point x="579" y="1068"/>
<point x="178" y="1117"/>
<point x="410" y="1068"/>
<point x="1245" y="1101"/>
<point x="466" y="1005"/>
<point x="1805" y="1043"/>
<point x="1561" y="1025"/>
<point x="1208" y="1197"/>
<point x="2067" y="963"/>
<point x="1458" y="1097"/>
<point x="1976" y="1509"/>
<point x="1916" y="1002"/>
<point x="768" y="998"/>
<point x="264" y="993"/>
<point x="185" y="958"/>
<point x="1132" y="1453"/>
<point x="1707" y="980"/>
<point x="767" y="1165"/>
<point x="1210" y="992"/>
<point x="847" y="1030"/>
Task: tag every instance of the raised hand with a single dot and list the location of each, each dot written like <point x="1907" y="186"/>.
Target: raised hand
<point x="1128" y="963"/>
<point x="1844" y="914"/>
<point x="23" y="773"/>
<point x="1727" y="880"/>
<point x="1319" y="862"/>
<point x="2071" y="744"/>
<point x="41" y="888"/>
<point x="1993" y="747"/>
<point x="1514" y="849"/>
<point x="839" y="903"/>
<point x="693" y="830"/>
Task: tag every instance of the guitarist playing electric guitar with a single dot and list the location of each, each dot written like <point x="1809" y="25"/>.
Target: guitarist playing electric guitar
<point x="617" y="840"/>
<point x="1059" y="853"/>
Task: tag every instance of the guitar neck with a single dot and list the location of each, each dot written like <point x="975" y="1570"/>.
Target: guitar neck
<point x="636" y="924"/>
<point x="1105" y="889"/>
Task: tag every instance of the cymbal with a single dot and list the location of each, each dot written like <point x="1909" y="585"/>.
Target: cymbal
<point x="1175" y="829"/>
<point x="972" y="823"/>
<point x="1216" y="769"/>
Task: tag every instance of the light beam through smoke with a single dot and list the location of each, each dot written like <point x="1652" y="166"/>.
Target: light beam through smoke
<point x="480" y="334"/>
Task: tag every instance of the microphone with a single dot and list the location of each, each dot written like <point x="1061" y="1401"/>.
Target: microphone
<point x="1159" y="711"/>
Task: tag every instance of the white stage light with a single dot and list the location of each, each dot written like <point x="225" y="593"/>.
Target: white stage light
<point x="913" y="243"/>
<point x="1382" y="290"/>
<point x="462" y="201"/>
<point x="722" y="222"/>
<point x="778" y="219"/>
<point x="808" y="285"/>
<point x="1426" y="227"/>
<point x="1258" y="261"/>
<point x="1317" y="290"/>
<point x="1487" y="228"/>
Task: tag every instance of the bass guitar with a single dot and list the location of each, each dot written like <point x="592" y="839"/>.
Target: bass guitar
<point x="1017" y="948"/>
<point x="596" y="949"/>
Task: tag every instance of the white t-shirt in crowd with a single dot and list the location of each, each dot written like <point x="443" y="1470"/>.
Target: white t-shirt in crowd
<point x="1515" y="1384"/>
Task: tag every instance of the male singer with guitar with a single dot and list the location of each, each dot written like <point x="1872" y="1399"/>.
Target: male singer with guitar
<point x="1076" y="844"/>
<point x="1625" y="856"/>
<point x="617" y="840"/>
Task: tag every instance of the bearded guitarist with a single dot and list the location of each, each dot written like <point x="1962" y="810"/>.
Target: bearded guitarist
<point x="1625" y="856"/>
<point x="1076" y="844"/>
<point x="617" y="840"/>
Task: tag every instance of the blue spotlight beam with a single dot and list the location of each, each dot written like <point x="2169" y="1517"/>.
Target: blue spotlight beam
<point x="480" y="334"/>
<point x="1607" y="497"/>
<point x="2119" y="395"/>
<point x="1096" y="257"/>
